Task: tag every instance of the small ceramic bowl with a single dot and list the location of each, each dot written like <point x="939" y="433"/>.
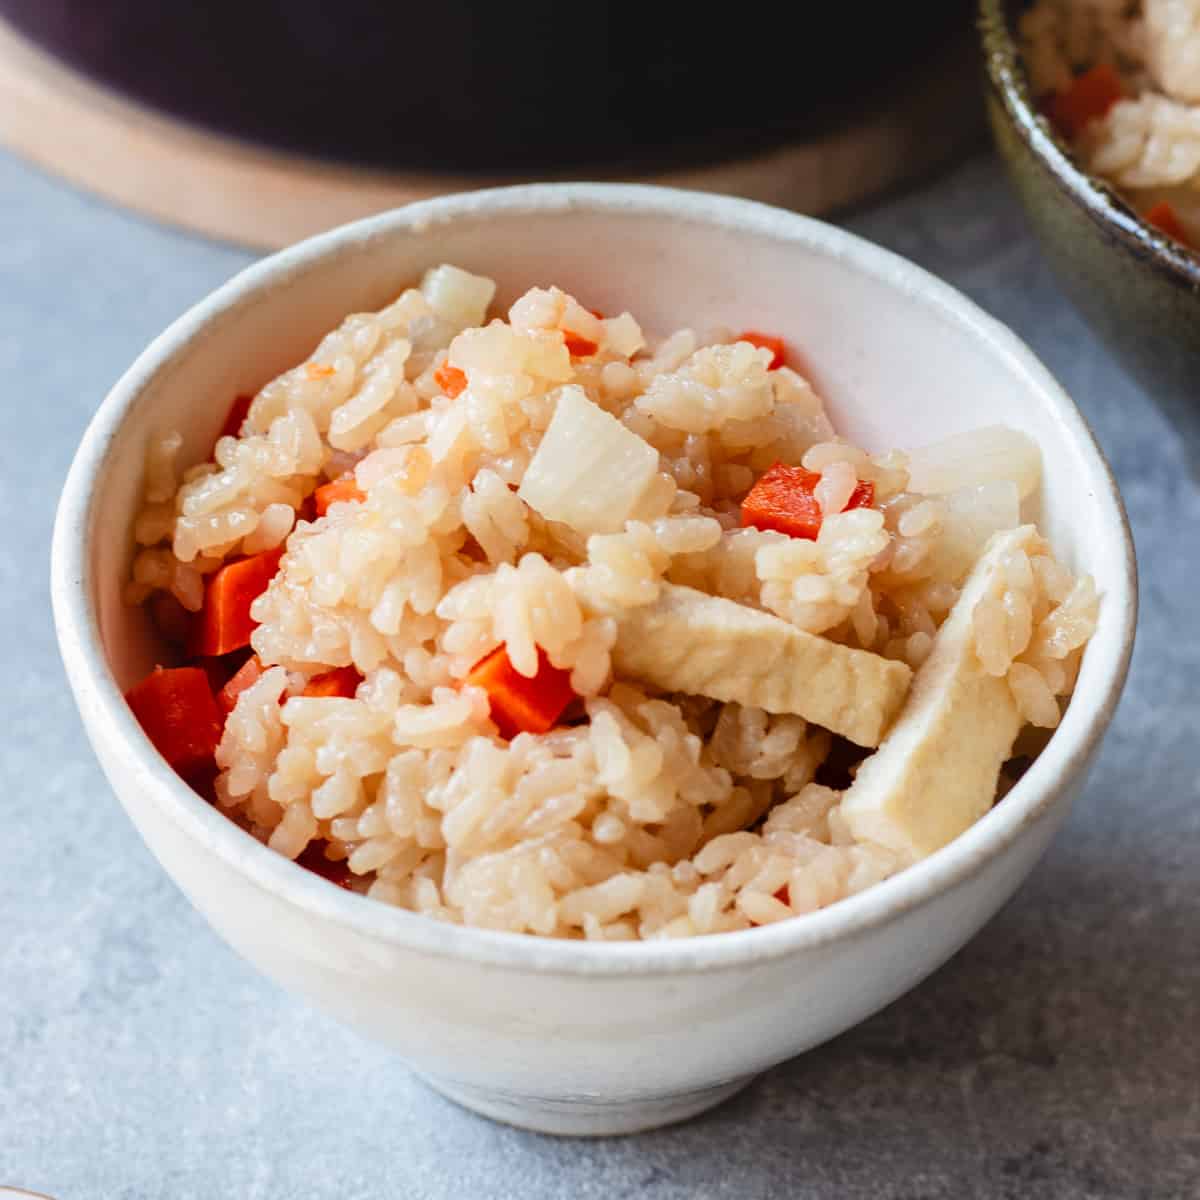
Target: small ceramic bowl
<point x="1139" y="289"/>
<point x="572" y="1037"/>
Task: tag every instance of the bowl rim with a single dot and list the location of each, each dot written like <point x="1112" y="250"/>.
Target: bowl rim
<point x="108" y="718"/>
<point x="1102" y="202"/>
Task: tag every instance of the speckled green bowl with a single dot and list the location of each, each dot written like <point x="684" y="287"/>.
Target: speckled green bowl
<point x="1139" y="289"/>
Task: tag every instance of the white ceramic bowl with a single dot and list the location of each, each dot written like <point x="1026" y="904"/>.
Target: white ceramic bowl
<point x="569" y="1037"/>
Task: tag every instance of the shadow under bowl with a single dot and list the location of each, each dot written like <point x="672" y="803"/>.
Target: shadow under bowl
<point x="1139" y="289"/>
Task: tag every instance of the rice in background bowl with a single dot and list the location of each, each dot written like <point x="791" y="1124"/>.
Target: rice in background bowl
<point x="555" y="1034"/>
<point x="1121" y="81"/>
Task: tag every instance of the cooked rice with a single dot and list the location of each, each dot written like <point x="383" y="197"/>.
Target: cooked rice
<point x="653" y="815"/>
<point x="1148" y="143"/>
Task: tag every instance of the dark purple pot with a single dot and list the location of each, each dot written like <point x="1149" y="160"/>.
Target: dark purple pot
<point x="538" y="85"/>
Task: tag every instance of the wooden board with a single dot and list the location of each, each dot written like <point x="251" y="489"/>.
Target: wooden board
<point x="236" y="192"/>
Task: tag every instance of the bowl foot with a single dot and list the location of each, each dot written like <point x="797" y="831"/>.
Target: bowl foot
<point x="585" y="1117"/>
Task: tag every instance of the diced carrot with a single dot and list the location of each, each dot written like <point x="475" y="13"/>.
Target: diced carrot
<point x="341" y="681"/>
<point x="343" y="490"/>
<point x="578" y="346"/>
<point x="767" y="341"/>
<point x="176" y="709"/>
<point x="312" y="858"/>
<point x="472" y="549"/>
<point x="225" y="621"/>
<point x="863" y="496"/>
<point x="237" y="416"/>
<point x="1088" y="98"/>
<point x="315" y="370"/>
<point x="308" y="509"/>
<point x="202" y="779"/>
<point x="450" y="379"/>
<point x="219" y="670"/>
<point x="784" y="499"/>
<point x="246" y="676"/>
<point x="1165" y="219"/>
<point x="519" y="704"/>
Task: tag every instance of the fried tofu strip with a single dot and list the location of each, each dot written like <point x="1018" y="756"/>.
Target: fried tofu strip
<point x="687" y="641"/>
<point x="937" y="770"/>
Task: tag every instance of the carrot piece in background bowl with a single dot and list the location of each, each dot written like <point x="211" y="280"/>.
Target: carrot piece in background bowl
<point x="784" y="500"/>
<point x="1088" y="98"/>
<point x="225" y="621"/>
<point x="520" y="704"/>
<point x="176" y="709"/>
<point x="1165" y="219"/>
<point x="767" y="341"/>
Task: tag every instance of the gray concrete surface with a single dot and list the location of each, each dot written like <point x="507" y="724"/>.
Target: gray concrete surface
<point x="1056" y="1056"/>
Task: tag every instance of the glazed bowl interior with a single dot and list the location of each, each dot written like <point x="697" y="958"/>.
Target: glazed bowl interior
<point x="901" y="359"/>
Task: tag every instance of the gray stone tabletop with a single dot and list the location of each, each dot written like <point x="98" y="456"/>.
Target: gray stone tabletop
<point x="1058" y="1055"/>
